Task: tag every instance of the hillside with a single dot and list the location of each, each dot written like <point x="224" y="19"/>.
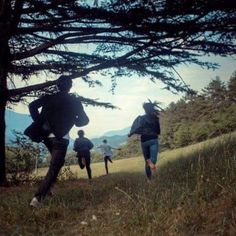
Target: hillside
<point x="201" y="116"/>
<point x="193" y="193"/>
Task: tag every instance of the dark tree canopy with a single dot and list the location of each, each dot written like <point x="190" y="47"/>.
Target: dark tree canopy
<point x="145" y="37"/>
<point x="42" y="39"/>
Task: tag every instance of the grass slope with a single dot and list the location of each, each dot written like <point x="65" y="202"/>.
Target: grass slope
<point x="193" y="193"/>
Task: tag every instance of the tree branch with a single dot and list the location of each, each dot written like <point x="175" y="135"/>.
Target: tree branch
<point x="107" y="64"/>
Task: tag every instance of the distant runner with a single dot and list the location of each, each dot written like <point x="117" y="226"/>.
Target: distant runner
<point x="107" y="153"/>
<point x="83" y="146"/>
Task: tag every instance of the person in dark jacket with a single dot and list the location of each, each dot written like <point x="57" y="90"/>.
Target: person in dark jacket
<point x="60" y="111"/>
<point x="82" y="146"/>
<point x="148" y="127"/>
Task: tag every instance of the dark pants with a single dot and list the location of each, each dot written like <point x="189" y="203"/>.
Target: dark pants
<point x="57" y="148"/>
<point x="106" y="159"/>
<point x="86" y="156"/>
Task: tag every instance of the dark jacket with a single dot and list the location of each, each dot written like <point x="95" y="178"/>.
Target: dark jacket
<point x="82" y="144"/>
<point x="60" y="111"/>
<point x="146" y="125"/>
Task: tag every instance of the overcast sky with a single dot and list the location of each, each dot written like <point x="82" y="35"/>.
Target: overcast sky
<point x="130" y="94"/>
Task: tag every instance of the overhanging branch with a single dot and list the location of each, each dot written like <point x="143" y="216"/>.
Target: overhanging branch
<point x="107" y="64"/>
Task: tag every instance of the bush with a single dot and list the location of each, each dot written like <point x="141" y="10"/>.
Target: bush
<point x="22" y="158"/>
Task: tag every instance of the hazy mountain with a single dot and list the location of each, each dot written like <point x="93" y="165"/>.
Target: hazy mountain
<point x="114" y="141"/>
<point x="124" y="131"/>
<point x="16" y="121"/>
<point x="19" y="122"/>
<point x="115" y="138"/>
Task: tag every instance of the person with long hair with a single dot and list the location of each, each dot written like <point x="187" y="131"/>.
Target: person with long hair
<point x="148" y="127"/>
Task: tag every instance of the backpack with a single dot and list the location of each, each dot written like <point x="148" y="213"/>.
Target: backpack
<point x="137" y="125"/>
<point x="144" y="125"/>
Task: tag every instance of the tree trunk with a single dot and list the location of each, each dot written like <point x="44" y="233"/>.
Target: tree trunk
<point x="2" y="140"/>
<point x="3" y="102"/>
<point x="7" y="25"/>
<point x="4" y="63"/>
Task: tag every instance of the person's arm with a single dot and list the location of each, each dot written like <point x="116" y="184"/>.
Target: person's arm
<point x="130" y="134"/>
<point x="81" y="117"/>
<point x="34" y="108"/>
<point x="158" y="128"/>
<point x="136" y="126"/>
<point x="90" y="144"/>
<point x="115" y="148"/>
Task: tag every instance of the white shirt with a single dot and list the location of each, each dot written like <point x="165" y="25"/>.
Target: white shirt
<point x="106" y="149"/>
<point x="65" y="136"/>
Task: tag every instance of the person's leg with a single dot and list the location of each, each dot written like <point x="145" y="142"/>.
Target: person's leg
<point x="109" y="159"/>
<point x="48" y="144"/>
<point x="154" y="146"/>
<point x="106" y="165"/>
<point x="80" y="162"/>
<point x="87" y="164"/>
<point x="59" y="148"/>
<point x="146" y="155"/>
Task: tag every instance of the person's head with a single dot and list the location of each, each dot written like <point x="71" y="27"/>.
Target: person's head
<point x="80" y="133"/>
<point x="104" y="141"/>
<point x="150" y="108"/>
<point x="64" y="83"/>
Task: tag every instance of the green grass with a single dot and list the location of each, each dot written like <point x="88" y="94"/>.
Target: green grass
<point x="133" y="164"/>
<point x="193" y="193"/>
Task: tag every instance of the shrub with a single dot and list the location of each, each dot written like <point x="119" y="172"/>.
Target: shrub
<point x="22" y="158"/>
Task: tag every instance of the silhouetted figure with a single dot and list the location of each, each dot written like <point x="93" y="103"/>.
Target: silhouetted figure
<point x="148" y="127"/>
<point x="60" y="111"/>
<point x="82" y="146"/>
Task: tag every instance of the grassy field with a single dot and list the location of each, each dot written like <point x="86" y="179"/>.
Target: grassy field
<point x="193" y="193"/>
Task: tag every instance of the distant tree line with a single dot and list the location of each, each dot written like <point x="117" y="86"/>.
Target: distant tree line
<point x="201" y="116"/>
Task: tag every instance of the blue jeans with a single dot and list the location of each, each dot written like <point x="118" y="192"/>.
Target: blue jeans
<point x="150" y="151"/>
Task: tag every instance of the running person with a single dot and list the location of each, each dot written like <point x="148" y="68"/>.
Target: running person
<point x="82" y="146"/>
<point x="60" y="111"/>
<point x="107" y="153"/>
<point x="148" y="127"/>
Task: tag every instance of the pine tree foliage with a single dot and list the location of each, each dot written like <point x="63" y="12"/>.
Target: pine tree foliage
<point x="42" y="39"/>
<point x="208" y="114"/>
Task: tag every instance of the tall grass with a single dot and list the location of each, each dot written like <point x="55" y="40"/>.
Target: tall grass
<point x="192" y="193"/>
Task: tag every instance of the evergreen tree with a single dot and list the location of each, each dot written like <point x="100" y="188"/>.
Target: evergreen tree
<point x="232" y="88"/>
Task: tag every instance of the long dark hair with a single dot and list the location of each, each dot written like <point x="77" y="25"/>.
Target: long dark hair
<point x="152" y="108"/>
